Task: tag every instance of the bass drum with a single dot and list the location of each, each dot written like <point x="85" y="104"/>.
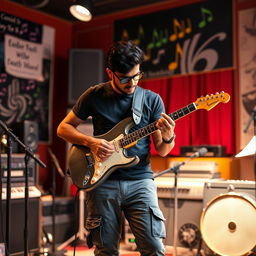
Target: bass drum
<point x="228" y="224"/>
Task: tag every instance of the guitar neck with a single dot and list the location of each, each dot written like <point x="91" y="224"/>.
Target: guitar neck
<point x="149" y="129"/>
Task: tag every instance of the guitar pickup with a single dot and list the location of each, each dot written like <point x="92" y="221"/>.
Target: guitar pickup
<point x="89" y="160"/>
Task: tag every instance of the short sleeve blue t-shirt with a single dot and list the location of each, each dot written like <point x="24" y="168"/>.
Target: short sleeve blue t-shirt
<point x="107" y="108"/>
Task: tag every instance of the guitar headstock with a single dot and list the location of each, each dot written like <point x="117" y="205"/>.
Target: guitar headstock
<point x="210" y="101"/>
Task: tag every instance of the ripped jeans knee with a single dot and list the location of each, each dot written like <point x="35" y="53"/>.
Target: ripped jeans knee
<point x="93" y="225"/>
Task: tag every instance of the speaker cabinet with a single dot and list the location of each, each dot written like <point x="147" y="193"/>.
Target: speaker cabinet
<point x="189" y="212"/>
<point x="213" y="189"/>
<point x="27" y="132"/>
<point x="17" y="222"/>
<point x="65" y="219"/>
<point x="227" y="222"/>
<point x="85" y="70"/>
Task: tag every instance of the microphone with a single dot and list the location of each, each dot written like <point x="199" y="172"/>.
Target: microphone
<point x="200" y="152"/>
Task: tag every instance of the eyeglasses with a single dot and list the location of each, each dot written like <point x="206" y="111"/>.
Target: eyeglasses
<point x="127" y="79"/>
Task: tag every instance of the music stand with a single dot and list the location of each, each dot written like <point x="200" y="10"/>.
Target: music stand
<point x="249" y="149"/>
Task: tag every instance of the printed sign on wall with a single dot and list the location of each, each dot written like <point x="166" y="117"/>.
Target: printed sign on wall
<point x="26" y="52"/>
<point x="247" y="73"/>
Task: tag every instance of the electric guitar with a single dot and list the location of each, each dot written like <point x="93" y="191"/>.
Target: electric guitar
<point x="86" y="169"/>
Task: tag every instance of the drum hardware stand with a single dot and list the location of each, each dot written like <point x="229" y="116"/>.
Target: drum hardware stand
<point x="53" y="192"/>
<point x="28" y="154"/>
<point x="175" y="170"/>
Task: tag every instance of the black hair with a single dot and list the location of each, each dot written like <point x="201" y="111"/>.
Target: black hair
<point x="123" y="56"/>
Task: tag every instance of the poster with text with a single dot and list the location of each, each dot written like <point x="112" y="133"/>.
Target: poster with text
<point x="26" y="70"/>
<point x="247" y="73"/>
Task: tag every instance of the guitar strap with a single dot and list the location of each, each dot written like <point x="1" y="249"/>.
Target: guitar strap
<point x="137" y="104"/>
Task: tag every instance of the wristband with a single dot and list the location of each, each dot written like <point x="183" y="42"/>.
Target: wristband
<point x="170" y="140"/>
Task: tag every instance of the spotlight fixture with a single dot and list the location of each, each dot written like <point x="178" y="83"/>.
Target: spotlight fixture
<point x="81" y="9"/>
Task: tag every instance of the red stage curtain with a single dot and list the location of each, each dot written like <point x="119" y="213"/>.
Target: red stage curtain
<point x="214" y="127"/>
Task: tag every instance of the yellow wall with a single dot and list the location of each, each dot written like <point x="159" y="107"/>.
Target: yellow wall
<point x="227" y="166"/>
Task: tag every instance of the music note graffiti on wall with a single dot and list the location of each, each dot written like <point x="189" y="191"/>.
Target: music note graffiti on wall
<point x="182" y="26"/>
<point x="188" y="29"/>
<point x="125" y="35"/>
<point x="180" y="29"/>
<point x="141" y="36"/>
<point x="159" y="54"/>
<point x="137" y="41"/>
<point x="207" y="16"/>
<point x="178" y="52"/>
<point x="158" y="39"/>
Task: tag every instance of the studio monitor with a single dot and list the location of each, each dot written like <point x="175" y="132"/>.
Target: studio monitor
<point x="27" y="132"/>
<point x="85" y="70"/>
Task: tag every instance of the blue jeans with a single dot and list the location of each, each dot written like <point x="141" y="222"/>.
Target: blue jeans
<point x="137" y="199"/>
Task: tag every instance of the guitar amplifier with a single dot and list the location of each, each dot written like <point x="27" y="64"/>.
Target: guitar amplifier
<point x="229" y="210"/>
<point x="213" y="150"/>
<point x="65" y="219"/>
<point x="18" y="170"/>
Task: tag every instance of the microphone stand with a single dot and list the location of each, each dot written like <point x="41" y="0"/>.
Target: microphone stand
<point x="8" y="194"/>
<point x="175" y="170"/>
<point x="28" y="153"/>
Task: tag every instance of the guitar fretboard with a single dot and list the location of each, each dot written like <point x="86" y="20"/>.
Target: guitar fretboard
<point x="147" y="130"/>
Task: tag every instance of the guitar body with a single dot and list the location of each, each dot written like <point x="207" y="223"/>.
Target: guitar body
<point x="87" y="171"/>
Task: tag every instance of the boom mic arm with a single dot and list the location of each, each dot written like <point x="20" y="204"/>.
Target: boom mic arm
<point x="200" y="152"/>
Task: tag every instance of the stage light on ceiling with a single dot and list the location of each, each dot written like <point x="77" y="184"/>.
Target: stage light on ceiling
<point x="81" y="9"/>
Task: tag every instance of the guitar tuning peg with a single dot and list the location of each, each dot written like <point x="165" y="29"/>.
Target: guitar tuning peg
<point x="217" y="93"/>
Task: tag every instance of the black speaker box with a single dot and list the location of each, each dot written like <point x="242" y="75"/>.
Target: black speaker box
<point x="65" y="219"/>
<point x="188" y="227"/>
<point x="212" y="150"/>
<point x="27" y="132"/>
<point x="85" y="70"/>
<point x="17" y="222"/>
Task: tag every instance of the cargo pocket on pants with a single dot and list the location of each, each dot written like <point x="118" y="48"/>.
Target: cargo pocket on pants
<point x="93" y="225"/>
<point x="157" y="223"/>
